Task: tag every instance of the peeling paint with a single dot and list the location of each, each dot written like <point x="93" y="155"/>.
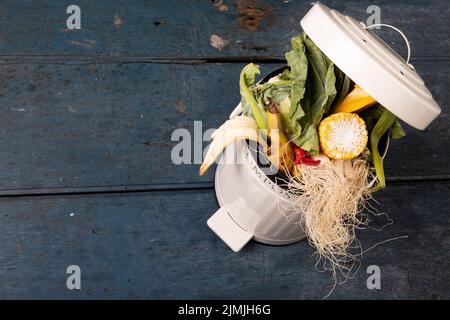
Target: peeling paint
<point x="220" y="5"/>
<point x="180" y="106"/>
<point x="218" y="42"/>
<point x="117" y="21"/>
<point x="251" y="13"/>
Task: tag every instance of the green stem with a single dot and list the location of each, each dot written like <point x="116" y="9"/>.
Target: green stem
<point x="383" y="124"/>
<point x="257" y="114"/>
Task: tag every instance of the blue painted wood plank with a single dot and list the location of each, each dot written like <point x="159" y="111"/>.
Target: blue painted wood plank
<point x="110" y="125"/>
<point x="157" y="245"/>
<point x="183" y="28"/>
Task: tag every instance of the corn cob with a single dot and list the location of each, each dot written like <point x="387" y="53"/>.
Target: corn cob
<point x="343" y="135"/>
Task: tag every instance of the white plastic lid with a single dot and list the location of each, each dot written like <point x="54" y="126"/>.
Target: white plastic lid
<point x="371" y="64"/>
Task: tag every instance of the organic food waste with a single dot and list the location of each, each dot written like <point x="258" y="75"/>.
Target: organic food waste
<point x="322" y="132"/>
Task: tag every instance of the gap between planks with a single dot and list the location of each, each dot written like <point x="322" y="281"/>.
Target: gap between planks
<point x="192" y="186"/>
<point x="102" y="59"/>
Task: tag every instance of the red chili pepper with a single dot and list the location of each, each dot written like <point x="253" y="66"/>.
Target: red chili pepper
<point x="300" y="154"/>
<point x="310" y="162"/>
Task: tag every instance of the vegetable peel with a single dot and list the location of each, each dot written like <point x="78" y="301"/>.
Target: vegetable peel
<point x="355" y="101"/>
<point x="239" y="128"/>
<point x="281" y="153"/>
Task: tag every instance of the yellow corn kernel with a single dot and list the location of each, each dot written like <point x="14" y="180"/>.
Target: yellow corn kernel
<point x="355" y="101"/>
<point x="343" y="135"/>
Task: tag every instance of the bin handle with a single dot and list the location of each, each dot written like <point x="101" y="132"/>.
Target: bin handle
<point x="408" y="46"/>
<point x="228" y="230"/>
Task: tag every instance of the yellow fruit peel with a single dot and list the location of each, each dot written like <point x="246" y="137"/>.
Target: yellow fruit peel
<point x="236" y="129"/>
<point x="357" y="100"/>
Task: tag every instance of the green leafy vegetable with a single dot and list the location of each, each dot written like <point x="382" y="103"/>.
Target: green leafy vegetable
<point x="303" y="93"/>
<point x="321" y="81"/>
<point x="288" y="89"/>
<point x="249" y="104"/>
<point x="297" y="75"/>
<point x="320" y="92"/>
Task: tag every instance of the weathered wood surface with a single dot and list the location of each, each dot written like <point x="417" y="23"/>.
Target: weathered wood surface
<point x="106" y="125"/>
<point x="182" y="29"/>
<point x="157" y="245"/>
<point x="87" y="116"/>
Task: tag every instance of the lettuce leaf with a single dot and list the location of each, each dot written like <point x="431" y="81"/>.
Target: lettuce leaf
<point x="297" y="74"/>
<point x="318" y="97"/>
<point x="321" y="81"/>
<point x="288" y="90"/>
<point x="304" y="92"/>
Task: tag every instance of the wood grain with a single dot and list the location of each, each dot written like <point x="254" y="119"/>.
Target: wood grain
<point x="157" y="245"/>
<point x="109" y="125"/>
<point x="182" y="29"/>
<point x="87" y="179"/>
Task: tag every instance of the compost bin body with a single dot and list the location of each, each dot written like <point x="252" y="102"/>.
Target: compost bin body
<point x="252" y="205"/>
<point x="253" y="201"/>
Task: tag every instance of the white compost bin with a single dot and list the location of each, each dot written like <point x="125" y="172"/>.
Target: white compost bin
<point x="252" y="204"/>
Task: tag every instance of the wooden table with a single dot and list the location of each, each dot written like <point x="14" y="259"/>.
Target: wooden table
<point x="86" y="176"/>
